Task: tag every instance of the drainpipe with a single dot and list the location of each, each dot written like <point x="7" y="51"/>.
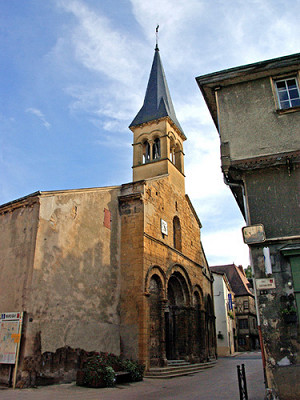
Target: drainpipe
<point x="247" y="218"/>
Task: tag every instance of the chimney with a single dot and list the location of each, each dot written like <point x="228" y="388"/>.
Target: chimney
<point x="240" y="267"/>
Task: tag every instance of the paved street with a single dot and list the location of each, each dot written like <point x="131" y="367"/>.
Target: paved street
<point x="218" y="383"/>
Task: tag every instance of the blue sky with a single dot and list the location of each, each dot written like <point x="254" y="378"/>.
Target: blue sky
<point x="73" y="75"/>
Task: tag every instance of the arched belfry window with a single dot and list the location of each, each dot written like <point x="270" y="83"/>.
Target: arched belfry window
<point x="177" y="233"/>
<point x="156" y="149"/>
<point x="172" y="153"/>
<point x="178" y="158"/>
<point x="146" y="152"/>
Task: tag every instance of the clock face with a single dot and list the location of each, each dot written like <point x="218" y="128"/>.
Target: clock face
<point x="164" y="227"/>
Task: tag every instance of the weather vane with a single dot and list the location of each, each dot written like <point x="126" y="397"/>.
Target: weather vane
<point x="156" y="48"/>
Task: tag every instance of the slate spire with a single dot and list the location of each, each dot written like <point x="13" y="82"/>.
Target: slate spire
<point x="157" y="102"/>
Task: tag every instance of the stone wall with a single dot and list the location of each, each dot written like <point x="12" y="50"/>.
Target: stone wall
<point x="147" y="252"/>
<point x="281" y="339"/>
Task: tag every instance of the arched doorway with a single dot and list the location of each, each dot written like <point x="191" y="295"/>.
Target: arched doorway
<point x="177" y="318"/>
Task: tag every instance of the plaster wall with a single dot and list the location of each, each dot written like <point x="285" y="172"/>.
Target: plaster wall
<point x="76" y="280"/>
<point x="248" y="110"/>
<point x="224" y="324"/>
<point x="18" y="230"/>
<point x="266" y="189"/>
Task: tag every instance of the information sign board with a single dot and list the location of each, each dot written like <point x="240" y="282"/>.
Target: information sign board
<point x="10" y="324"/>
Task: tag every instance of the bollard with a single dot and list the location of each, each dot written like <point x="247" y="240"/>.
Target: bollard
<point x="242" y="382"/>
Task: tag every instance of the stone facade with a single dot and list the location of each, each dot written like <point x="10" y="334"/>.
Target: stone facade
<point x="118" y="288"/>
<point x="118" y="269"/>
<point x="174" y="286"/>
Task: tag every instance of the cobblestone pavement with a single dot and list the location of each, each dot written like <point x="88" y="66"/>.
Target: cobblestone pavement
<point x="217" y="383"/>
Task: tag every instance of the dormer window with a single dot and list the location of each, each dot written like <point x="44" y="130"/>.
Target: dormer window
<point x="288" y="93"/>
<point x="156" y="149"/>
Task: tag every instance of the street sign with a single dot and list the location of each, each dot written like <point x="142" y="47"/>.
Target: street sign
<point x="254" y="234"/>
<point x="264" y="284"/>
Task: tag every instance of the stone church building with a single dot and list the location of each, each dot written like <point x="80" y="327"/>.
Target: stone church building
<point x="117" y="269"/>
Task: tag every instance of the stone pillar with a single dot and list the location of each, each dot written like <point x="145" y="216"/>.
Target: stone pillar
<point x="163" y="359"/>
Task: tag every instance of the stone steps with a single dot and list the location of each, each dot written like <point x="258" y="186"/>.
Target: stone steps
<point x="177" y="369"/>
<point x="175" y="363"/>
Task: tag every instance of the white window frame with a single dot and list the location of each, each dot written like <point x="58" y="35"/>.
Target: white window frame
<point x="285" y="79"/>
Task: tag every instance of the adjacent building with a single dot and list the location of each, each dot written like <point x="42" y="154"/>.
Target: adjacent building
<point x="244" y="306"/>
<point x="117" y="269"/>
<point x="256" y="110"/>
<point x="225" y="315"/>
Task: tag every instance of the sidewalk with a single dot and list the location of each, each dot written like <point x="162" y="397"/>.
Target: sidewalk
<point x="218" y="383"/>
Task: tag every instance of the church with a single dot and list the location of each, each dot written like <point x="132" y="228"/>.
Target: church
<point x="118" y="269"/>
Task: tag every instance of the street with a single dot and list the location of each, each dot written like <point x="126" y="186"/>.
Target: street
<point x="217" y="383"/>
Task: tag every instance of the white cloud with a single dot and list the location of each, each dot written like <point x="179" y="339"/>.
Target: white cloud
<point x="40" y="115"/>
<point x="226" y="247"/>
<point x="195" y="37"/>
<point x="115" y="59"/>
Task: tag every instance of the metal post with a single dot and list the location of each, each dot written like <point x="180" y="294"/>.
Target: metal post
<point x="18" y="351"/>
<point x="242" y="382"/>
<point x="245" y="382"/>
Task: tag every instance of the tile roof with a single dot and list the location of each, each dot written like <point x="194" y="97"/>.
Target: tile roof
<point x="237" y="279"/>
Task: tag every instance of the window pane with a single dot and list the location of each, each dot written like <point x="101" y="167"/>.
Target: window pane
<point x="285" y="104"/>
<point x="293" y="94"/>
<point x="280" y="85"/>
<point x="283" y="96"/>
<point x="295" y="102"/>
<point x="291" y="83"/>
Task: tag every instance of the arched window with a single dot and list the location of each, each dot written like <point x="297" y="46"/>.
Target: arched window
<point x="178" y="158"/>
<point x="177" y="233"/>
<point x="172" y="151"/>
<point x="156" y="149"/>
<point x="172" y="155"/>
<point x="146" y="152"/>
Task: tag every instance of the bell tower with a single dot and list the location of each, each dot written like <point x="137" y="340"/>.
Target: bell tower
<point x="157" y="135"/>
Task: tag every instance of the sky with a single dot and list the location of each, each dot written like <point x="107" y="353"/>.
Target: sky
<point x="73" y="75"/>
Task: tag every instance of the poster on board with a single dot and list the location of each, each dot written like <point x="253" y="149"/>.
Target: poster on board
<point x="10" y="324"/>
